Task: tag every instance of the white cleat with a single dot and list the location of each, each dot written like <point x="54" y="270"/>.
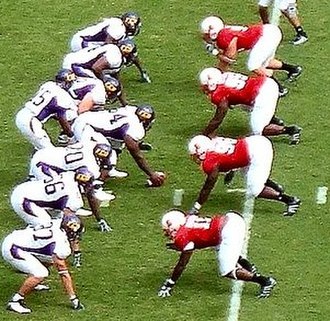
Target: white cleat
<point x="104" y="196"/>
<point x="18" y="306"/>
<point x="84" y="212"/>
<point x="116" y="173"/>
<point x="42" y="287"/>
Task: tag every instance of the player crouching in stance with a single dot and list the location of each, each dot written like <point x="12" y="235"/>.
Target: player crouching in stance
<point x="253" y="155"/>
<point x="225" y="233"/>
<point x="32" y="250"/>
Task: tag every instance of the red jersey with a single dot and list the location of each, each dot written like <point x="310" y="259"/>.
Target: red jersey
<point x="246" y="36"/>
<point x="227" y="154"/>
<point x="237" y="89"/>
<point x="201" y="231"/>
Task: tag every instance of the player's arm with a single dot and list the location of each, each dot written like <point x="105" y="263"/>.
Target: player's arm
<point x="93" y="202"/>
<point x="220" y="113"/>
<point x="204" y="193"/>
<point x="86" y="104"/>
<point x="65" y="125"/>
<point x="228" y="56"/>
<point x="99" y="66"/>
<point x="169" y="283"/>
<point x="61" y="266"/>
<point x="137" y="63"/>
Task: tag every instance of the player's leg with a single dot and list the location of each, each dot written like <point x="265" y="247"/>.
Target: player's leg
<point x="289" y="10"/>
<point x="263" y="6"/>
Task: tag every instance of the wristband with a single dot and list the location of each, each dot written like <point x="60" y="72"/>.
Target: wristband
<point x="197" y="206"/>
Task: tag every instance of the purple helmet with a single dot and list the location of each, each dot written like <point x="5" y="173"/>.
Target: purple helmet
<point x="72" y="225"/>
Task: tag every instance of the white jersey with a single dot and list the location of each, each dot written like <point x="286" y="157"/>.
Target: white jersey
<point x="92" y="86"/>
<point x="28" y="248"/>
<point x="81" y="62"/>
<point x="58" y="193"/>
<point x="113" y="124"/>
<point x="47" y="163"/>
<point x="51" y="100"/>
<point x="98" y="33"/>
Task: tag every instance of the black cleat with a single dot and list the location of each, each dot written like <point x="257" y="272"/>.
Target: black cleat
<point x="292" y="206"/>
<point x="299" y="39"/>
<point x="282" y="92"/>
<point x="295" y="135"/>
<point x="266" y="290"/>
<point x="294" y="75"/>
<point x="277" y="121"/>
<point x="277" y="187"/>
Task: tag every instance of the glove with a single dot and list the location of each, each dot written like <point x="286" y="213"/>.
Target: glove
<point x="77" y="259"/>
<point x="64" y="140"/>
<point x="195" y="209"/>
<point x="166" y="289"/>
<point x="211" y="49"/>
<point x="145" y="77"/>
<point x="145" y="146"/>
<point x="156" y="179"/>
<point x="76" y="304"/>
<point x="103" y="226"/>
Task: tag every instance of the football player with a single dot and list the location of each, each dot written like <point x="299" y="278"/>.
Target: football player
<point x="47" y="163"/>
<point x="32" y="200"/>
<point x="126" y="126"/>
<point x="33" y="249"/>
<point x="260" y="40"/>
<point x="109" y="30"/>
<point x="51" y="101"/>
<point x="289" y="10"/>
<point x="259" y="95"/>
<point x="225" y="233"/>
<point x="252" y="155"/>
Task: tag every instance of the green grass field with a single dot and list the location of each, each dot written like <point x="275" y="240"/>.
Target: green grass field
<point x="123" y="270"/>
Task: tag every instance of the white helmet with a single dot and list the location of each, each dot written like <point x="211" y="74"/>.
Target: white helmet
<point x="172" y="220"/>
<point x="211" y="26"/>
<point x="199" y="145"/>
<point x="116" y="29"/>
<point x="210" y="77"/>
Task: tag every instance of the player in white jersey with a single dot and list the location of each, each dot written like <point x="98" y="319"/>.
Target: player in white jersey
<point x="33" y="250"/>
<point x="51" y="101"/>
<point x="289" y="9"/>
<point x="109" y="30"/>
<point x="91" y="62"/>
<point x="32" y="200"/>
<point x="124" y="126"/>
<point x="47" y="163"/>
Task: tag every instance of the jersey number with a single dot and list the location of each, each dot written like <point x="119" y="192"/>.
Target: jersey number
<point x="54" y="187"/>
<point x="73" y="157"/>
<point x="40" y="97"/>
<point x="116" y="118"/>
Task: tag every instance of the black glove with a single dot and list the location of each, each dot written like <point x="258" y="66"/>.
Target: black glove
<point x="145" y="77"/>
<point x="76" y="304"/>
<point x="166" y="288"/>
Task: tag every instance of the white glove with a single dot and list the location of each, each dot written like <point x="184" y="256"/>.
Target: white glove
<point x="211" y="49"/>
<point x="166" y="289"/>
<point x="103" y="226"/>
<point x="76" y="304"/>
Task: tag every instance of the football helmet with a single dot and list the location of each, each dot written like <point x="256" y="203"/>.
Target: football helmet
<point x="116" y="29"/>
<point x="199" y="145"/>
<point x="112" y="87"/>
<point x="146" y="114"/>
<point x="83" y="176"/>
<point x="73" y="226"/>
<point x="211" y="26"/>
<point x="127" y="47"/>
<point x="102" y="153"/>
<point x="65" y="78"/>
<point x="209" y="78"/>
<point x="132" y="22"/>
<point x="172" y="221"/>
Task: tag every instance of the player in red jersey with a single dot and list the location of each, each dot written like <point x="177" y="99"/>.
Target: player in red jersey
<point x="252" y="155"/>
<point x="260" y="40"/>
<point x="225" y="233"/>
<point x="259" y="95"/>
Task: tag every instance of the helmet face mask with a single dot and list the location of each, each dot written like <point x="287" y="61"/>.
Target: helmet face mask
<point x="83" y="176"/>
<point x="146" y="115"/>
<point x="112" y="87"/>
<point x="73" y="226"/>
<point x="127" y="47"/>
<point x="132" y="23"/>
<point x="102" y="153"/>
<point x="172" y="221"/>
<point x="65" y="78"/>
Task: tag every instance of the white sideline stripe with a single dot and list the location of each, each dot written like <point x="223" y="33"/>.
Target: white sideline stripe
<point x="236" y="190"/>
<point x="237" y="286"/>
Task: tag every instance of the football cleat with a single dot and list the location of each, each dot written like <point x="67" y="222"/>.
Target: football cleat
<point x="295" y="135"/>
<point x="42" y="287"/>
<point x="116" y="173"/>
<point x="294" y="75"/>
<point x="277" y="121"/>
<point x="18" y="306"/>
<point x="299" y="39"/>
<point x="292" y="206"/>
<point x="277" y="187"/>
<point x="145" y="146"/>
<point x="266" y="290"/>
<point x="103" y="196"/>
<point x="283" y="91"/>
